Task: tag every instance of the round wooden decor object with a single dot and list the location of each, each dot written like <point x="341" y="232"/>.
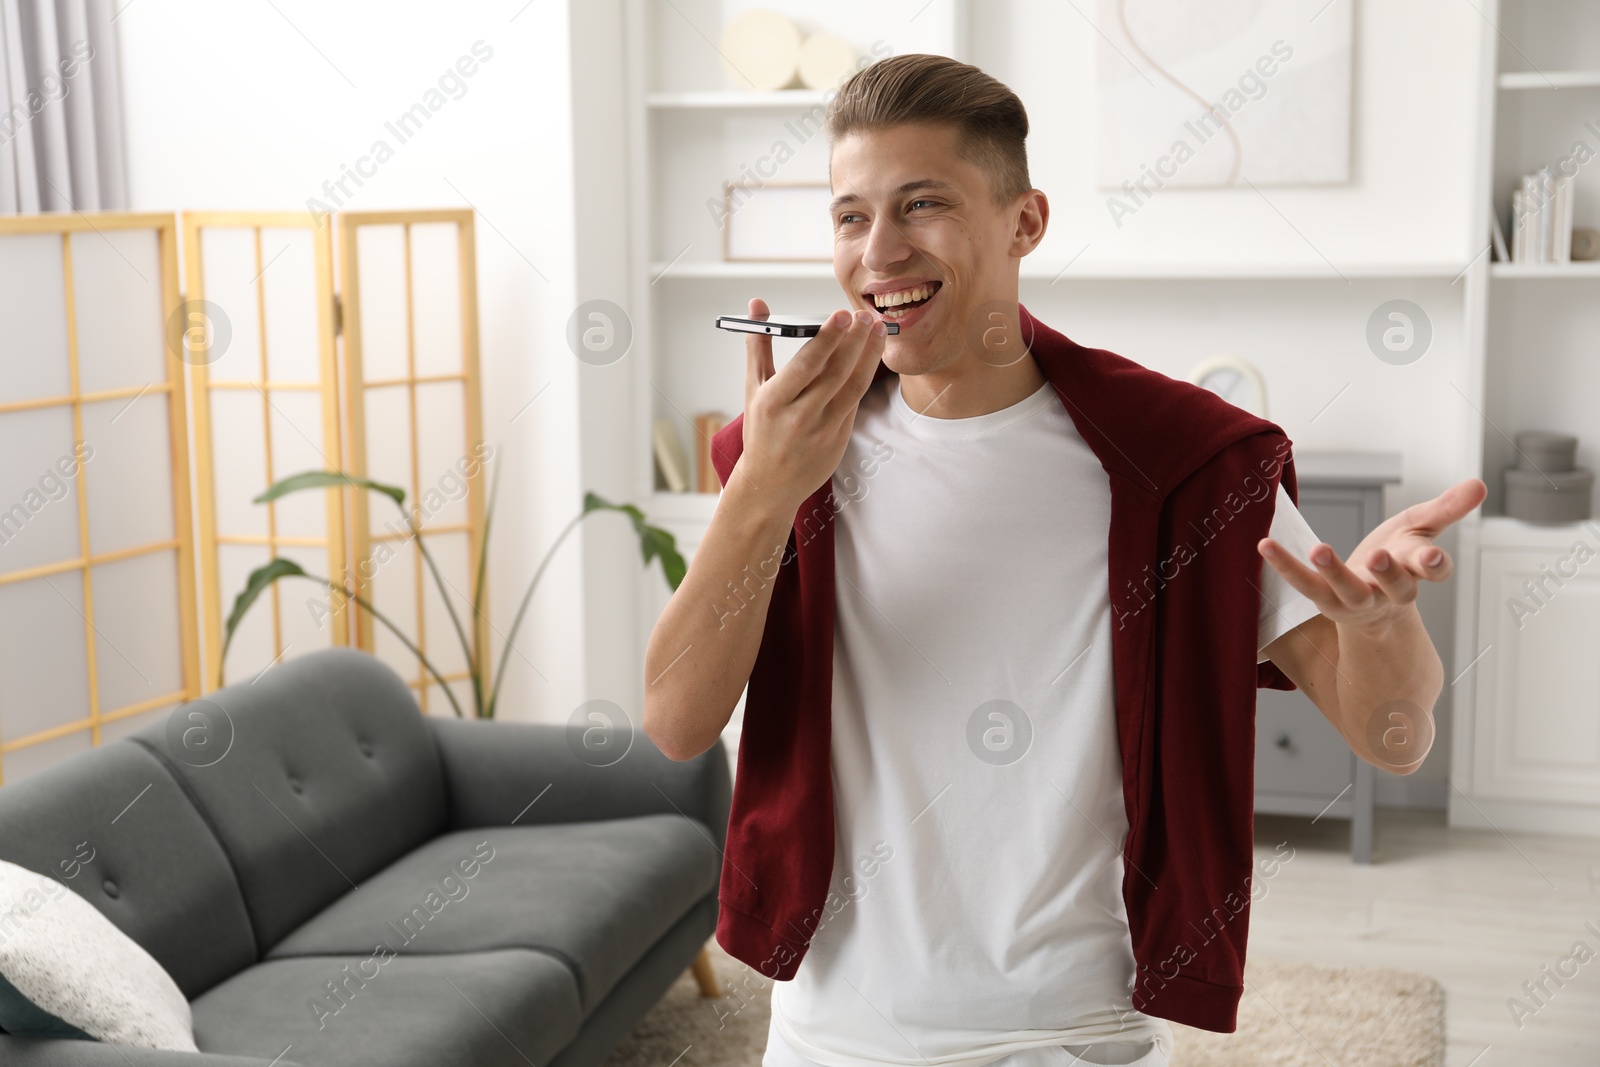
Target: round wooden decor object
<point x="761" y="50"/>
<point x="1235" y="380"/>
<point x="826" y="60"/>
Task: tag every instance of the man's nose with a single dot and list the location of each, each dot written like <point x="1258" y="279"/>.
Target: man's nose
<point x="886" y="244"/>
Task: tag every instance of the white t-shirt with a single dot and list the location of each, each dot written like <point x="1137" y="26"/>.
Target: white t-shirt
<point x="979" y="818"/>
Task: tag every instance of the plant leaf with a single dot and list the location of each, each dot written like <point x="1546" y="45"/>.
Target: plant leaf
<point x="653" y="540"/>
<point x="480" y="656"/>
<point x="595" y="502"/>
<point x="260" y="578"/>
<point x="323" y="480"/>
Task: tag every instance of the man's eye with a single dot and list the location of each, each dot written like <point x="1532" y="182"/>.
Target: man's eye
<point x="914" y="203"/>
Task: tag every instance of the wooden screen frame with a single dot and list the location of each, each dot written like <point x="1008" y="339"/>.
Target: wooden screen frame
<point x="182" y="541"/>
<point x="334" y="539"/>
<point x="355" y="389"/>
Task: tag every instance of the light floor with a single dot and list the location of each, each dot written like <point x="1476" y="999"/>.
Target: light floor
<point x="1480" y="911"/>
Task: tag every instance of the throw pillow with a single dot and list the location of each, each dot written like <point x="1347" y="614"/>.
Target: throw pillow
<point x="67" y="971"/>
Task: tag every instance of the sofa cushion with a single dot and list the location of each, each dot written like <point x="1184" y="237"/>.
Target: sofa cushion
<point x="331" y="775"/>
<point x="596" y="894"/>
<point x="113" y="825"/>
<point x="489" y="1009"/>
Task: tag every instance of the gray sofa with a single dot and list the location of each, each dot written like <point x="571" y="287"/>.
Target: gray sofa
<point x="305" y="880"/>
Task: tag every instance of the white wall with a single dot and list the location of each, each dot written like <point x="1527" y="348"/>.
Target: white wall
<point x="606" y="443"/>
<point x="1412" y="152"/>
<point x="255" y="106"/>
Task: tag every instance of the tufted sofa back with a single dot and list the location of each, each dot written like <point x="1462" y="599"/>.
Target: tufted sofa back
<point x="330" y="775"/>
<point x="113" y="825"/>
<point x="209" y="836"/>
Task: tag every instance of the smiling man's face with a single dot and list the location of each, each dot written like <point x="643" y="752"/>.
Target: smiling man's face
<point x="910" y="213"/>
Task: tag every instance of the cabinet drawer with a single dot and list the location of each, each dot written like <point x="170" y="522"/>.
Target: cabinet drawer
<point x="1297" y="749"/>
<point x="1298" y="752"/>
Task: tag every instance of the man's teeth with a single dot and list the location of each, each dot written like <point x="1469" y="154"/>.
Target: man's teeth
<point x="904" y="296"/>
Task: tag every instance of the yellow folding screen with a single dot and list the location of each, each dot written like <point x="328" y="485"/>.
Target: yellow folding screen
<point x="408" y="281"/>
<point x="294" y="362"/>
<point x="379" y="379"/>
<point x="266" y="404"/>
<point x="97" y="606"/>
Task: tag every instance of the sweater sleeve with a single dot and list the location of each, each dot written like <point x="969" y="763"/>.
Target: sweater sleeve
<point x="727" y="445"/>
<point x="1270" y="676"/>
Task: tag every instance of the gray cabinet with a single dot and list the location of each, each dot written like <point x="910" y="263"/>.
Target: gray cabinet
<point x="1303" y="766"/>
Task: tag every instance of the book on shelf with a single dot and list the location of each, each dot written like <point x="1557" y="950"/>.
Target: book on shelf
<point x="1563" y="221"/>
<point x="706" y="423"/>
<point x="1541" y="218"/>
<point x="671" y="460"/>
<point x="1519" y="233"/>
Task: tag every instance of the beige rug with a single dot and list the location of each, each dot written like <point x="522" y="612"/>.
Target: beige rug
<point x="1292" y="1015"/>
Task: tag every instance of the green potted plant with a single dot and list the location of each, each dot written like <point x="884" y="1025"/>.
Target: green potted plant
<point x="653" y="542"/>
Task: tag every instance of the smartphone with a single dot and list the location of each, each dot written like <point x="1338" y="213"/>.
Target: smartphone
<point x="782" y="325"/>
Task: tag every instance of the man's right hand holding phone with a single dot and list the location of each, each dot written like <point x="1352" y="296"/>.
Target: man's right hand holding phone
<point x="797" y="421"/>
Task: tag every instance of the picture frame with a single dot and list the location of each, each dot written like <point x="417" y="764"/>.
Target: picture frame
<point x="777" y="222"/>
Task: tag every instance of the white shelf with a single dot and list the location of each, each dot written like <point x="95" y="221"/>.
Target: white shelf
<point x="716" y="99"/>
<point x="1551" y="79"/>
<point x="684" y="270"/>
<point x="1225" y="271"/>
<point x="689" y="132"/>
<point x="679" y="508"/>
<point x="1576" y="269"/>
<point x="694" y="271"/>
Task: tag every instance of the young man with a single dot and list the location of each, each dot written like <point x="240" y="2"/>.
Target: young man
<point x="982" y="789"/>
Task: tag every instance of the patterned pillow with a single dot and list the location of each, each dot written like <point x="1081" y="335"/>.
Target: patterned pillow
<point x="66" y="971"/>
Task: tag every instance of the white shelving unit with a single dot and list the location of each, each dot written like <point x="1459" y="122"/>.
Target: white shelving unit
<point x="689" y="131"/>
<point x="1526" y="746"/>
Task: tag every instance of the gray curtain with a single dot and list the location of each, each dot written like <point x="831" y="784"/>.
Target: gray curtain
<point x="61" y="135"/>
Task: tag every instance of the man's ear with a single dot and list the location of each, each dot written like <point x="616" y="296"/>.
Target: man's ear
<point x="1033" y="218"/>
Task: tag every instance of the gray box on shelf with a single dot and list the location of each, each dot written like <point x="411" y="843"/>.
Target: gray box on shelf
<point x="1541" y="451"/>
<point x="1544" y="487"/>
<point x="337" y="821"/>
<point x="1303" y="765"/>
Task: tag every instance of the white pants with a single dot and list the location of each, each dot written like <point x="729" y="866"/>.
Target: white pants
<point x="1143" y="1054"/>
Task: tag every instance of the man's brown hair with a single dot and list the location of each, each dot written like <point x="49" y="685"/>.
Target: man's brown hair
<point x="990" y="121"/>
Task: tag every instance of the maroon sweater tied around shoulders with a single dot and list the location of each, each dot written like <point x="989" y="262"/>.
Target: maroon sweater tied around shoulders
<point x="1192" y="486"/>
